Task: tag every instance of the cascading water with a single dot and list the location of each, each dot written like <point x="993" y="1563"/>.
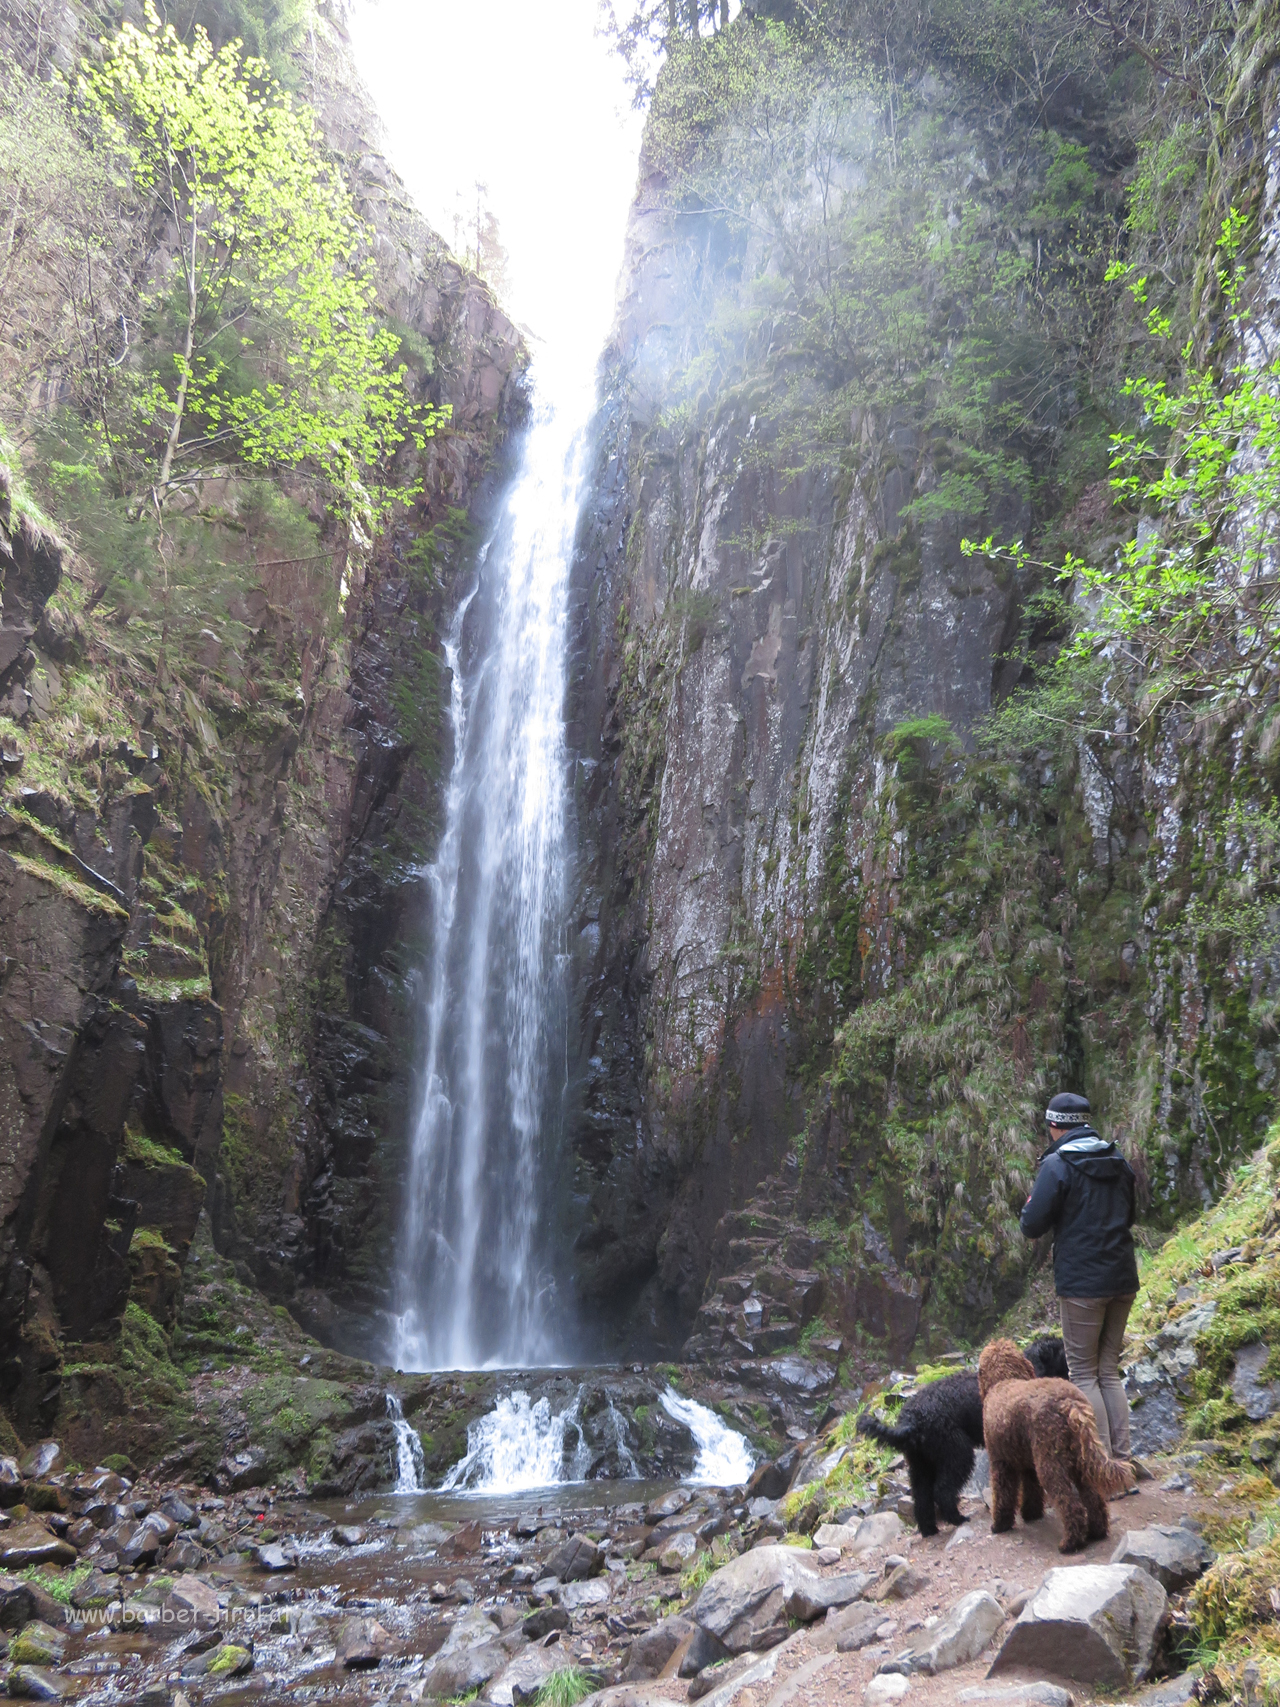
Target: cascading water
<point x="410" y="1463"/>
<point x="724" y="1456"/>
<point x="474" y="1287"/>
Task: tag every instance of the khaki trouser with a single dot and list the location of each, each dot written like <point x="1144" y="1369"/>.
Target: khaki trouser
<point x="1093" y="1333"/>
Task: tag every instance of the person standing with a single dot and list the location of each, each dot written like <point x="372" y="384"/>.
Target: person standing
<point x="1085" y="1193"/>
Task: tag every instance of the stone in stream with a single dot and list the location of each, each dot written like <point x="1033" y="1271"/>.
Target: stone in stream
<point x="95" y="1591"/>
<point x="351" y="1535"/>
<point x="362" y="1642"/>
<point x="1174" y="1557"/>
<point x="230" y="1660"/>
<point x="959" y="1636"/>
<point x="668" y="1505"/>
<point x="33" y="1683"/>
<point x="21" y="1601"/>
<point x="575" y="1559"/>
<point x="813" y="1599"/>
<point x="677" y="1552"/>
<point x="185" y="1554"/>
<point x="38" y="1644"/>
<point x="192" y="1604"/>
<point x="1096" y="1624"/>
<point x="651" y="1651"/>
<point x="275" y="1556"/>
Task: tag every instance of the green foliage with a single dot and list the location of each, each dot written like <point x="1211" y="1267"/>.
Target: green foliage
<point x="566" y="1687"/>
<point x="267" y="346"/>
<point x="59" y="1585"/>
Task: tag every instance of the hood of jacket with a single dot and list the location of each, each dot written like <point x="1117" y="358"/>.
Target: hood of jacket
<point x="1092" y="1155"/>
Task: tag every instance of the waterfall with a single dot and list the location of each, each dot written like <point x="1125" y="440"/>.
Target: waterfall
<point x="521" y="1444"/>
<point x="474" y="1286"/>
<point x="724" y="1458"/>
<point x="410" y="1463"/>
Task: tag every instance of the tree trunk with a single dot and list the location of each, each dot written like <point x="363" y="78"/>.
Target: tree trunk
<point x="180" y="402"/>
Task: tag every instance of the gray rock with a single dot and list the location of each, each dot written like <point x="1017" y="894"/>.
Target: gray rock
<point x="580" y="1596"/>
<point x="1035" y="1694"/>
<point x="351" y="1535"/>
<point x="704" y="1650"/>
<point x="900" y="1584"/>
<point x="1095" y="1624"/>
<point x="362" y="1642"/>
<point x="1257" y="1397"/>
<point x="1173" y="1692"/>
<point x="541" y="1623"/>
<point x="191" y="1604"/>
<point x="881" y="1529"/>
<point x="959" y="1636"/>
<point x="651" y="1651"/>
<point x="33" y="1683"/>
<point x="1174" y="1557"/>
<point x="855" y="1626"/>
<point x="43" y="1459"/>
<point x="814" y="1598"/>
<point x="275" y="1557"/>
<point x="575" y="1559"/>
<point x="465" y="1670"/>
<point x="743" y="1603"/>
<point x="677" y="1553"/>
<point x="885" y="1688"/>
<point x="520" y="1680"/>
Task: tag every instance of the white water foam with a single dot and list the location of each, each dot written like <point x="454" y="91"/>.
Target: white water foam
<point x="725" y="1459"/>
<point x="410" y="1464"/>
<point x="523" y="1444"/>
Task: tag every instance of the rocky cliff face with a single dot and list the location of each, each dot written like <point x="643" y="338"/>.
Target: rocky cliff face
<point x="837" y="938"/>
<point x="208" y="913"/>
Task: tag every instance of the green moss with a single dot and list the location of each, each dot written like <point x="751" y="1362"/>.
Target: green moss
<point x="138" y="1147"/>
<point x="83" y="894"/>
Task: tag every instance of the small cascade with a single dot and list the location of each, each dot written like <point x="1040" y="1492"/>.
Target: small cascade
<point x="410" y="1464"/>
<point x="724" y="1458"/>
<point x="520" y="1445"/>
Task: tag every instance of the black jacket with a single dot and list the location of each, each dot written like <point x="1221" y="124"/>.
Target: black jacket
<point x="1084" y="1191"/>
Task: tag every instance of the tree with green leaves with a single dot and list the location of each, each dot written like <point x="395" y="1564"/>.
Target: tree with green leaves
<point x="269" y="349"/>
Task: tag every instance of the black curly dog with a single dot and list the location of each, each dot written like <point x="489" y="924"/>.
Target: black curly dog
<point x="939" y="1427"/>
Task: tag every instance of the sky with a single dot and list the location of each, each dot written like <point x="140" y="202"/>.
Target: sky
<point x="526" y="99"/>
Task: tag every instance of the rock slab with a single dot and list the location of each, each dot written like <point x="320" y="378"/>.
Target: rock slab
<point x="1095" y="1624"/>
<point x="743" y="1605"/>
<point x="1174" y="1557"/>
<point x="959" y="1636"/>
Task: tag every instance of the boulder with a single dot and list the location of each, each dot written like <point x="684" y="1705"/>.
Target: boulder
<point x="959" y="1636"/>
<point x="465" y="1671"/>
<point x="185" y="1555"/>
<point x="855" y="1626"/>
<point x="10" y="1481"/>
<point x="33" y="1683"/>
<point x="667" y="1506"/>
<point x="349" y="1535"/>
<point x="651" y="1651"/>
<point x="743" y="1604"/>
<point x="817" y="1596"/>
<point x="181" y="1513"/>
<point x="704" y="1650"/>
<point x="43" y="1459"/>
<point x="1256" y="1397"/>
<point x="772" y="1479"/>
<point x="1174" y="1557"/>
<point x="677" y="1553"/>
<point x="1095" y="1624"/>
<point x="21" y="1601"/>
<point x="899" y="1584"/>
<point x="541" y="1623"/>
<point x="94" y="1592"/>
<point x="881" y="1529"/>
<point x="33" y="1544"/>
<point x="191" y="1604"/>
<point x="230" y="1660"/>
<point x="275" y="1556"/>
<point x="362" y="1642"/>
<point x="38" y="1644"/>
<point x="578" y="1597"/>
<point x="519" y="1682"/>
<point x="575" y="1559"/>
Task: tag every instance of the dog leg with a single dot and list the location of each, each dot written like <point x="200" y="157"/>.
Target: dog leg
<point x="1004" y="1495"/>
<point x="955" y="1466"/>
<point x="1062" y="1494"/>
<point x="1099" y="1522"/>
<point x="920" y="1473"/>
<point x="1032" y="1497"/>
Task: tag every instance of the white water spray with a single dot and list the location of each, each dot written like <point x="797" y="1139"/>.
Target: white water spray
<point x="521" y="1444"/>
<point x="724" y="1457"/>
<point x="410" y="1463"/>
<point x="474" y="1287"/>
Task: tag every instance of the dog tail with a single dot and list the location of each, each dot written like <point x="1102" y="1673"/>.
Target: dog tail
<point x="1097" y="1470"/>
<point x="883" y="1432"/>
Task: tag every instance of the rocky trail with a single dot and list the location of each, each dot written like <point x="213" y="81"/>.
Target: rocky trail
<point x="116" y="1591"/>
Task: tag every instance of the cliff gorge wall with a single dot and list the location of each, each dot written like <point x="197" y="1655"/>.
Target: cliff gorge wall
<point x="208" y="854"/>
<point x="839" y="932"/>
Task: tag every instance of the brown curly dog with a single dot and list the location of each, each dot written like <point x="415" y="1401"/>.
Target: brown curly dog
<point x="1041" y="1437"/>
